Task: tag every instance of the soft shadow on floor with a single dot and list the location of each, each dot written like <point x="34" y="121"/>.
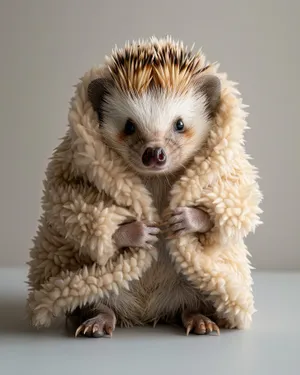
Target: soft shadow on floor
<point x="13" y="320"/>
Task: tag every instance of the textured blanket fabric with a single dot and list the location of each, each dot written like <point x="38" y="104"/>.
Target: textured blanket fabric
<point x="89" y="191"/>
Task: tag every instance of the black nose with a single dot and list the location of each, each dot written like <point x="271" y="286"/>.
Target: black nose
<point x="153" y="156"/>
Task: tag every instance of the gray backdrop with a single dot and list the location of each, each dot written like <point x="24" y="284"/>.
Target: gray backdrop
<point x="45" y="46"/>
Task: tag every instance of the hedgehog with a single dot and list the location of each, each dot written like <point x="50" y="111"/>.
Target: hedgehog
<point x="173" y="126"/>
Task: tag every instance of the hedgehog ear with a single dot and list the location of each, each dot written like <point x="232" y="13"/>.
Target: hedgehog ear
<point x="97" y="90"/>
<point x="210" y="87"/>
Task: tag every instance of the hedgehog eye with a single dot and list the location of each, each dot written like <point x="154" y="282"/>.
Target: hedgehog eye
<point x="129" y="127"/>
<point x="179" y="125"/>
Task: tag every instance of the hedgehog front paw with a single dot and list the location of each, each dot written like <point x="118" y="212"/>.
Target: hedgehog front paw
<point x="198" y="324"/>
<point x="187" y="220"/>
<point x="136" y="234"/>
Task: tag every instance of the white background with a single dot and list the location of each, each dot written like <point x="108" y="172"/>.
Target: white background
<point x="45" y="46"/>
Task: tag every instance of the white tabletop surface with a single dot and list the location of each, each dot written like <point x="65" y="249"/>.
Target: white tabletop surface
<point x="272" y="346"/>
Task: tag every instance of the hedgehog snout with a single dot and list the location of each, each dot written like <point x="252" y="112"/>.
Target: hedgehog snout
<point x="154" y="156"/>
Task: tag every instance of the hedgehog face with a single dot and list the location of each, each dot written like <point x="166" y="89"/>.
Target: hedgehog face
<point x="155" y="105"/>
<point x="156" y="132"/>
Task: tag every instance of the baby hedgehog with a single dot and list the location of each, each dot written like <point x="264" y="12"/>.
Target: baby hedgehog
<point x="155" y="105"/>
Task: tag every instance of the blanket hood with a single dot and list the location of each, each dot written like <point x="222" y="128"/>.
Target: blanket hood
<point x="220" y="179"/>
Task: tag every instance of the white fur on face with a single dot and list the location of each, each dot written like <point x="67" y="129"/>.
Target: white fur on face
<point x="155" y="114"/>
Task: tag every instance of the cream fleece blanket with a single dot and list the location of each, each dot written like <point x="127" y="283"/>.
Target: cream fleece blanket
<point x="89" y="191"/>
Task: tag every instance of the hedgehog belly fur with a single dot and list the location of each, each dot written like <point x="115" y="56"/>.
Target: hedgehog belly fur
<point x="161" y="293"/>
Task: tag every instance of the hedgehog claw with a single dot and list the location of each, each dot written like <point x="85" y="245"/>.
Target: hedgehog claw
<point x="78" y="330"/>
<point x="188" y="329"/>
